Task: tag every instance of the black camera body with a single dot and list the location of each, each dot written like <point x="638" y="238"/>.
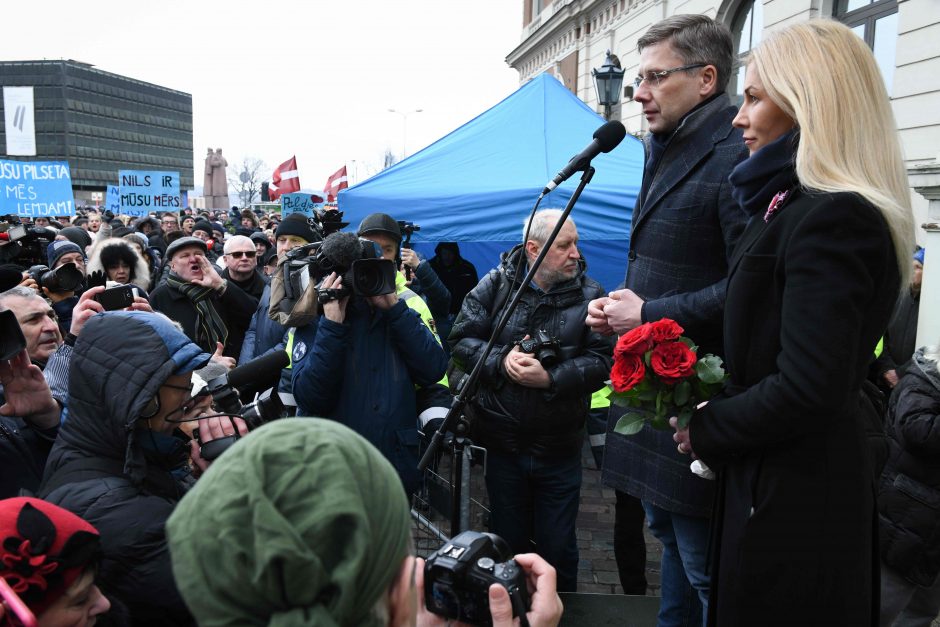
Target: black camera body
<point x="457" y="578"/>
<point x="32" y="243"/>
<point x="65" y="278"/>
<point x="365" y="273"/>
<point x="546" y="348"/>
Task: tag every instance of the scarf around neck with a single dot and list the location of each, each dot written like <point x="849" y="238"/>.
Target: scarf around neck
<point x="772" y="169"/>
<point x="210" y="328"/>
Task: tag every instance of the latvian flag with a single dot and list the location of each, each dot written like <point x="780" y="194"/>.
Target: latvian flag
<point x="336" y="182"/>
<point x="285" y="179"/>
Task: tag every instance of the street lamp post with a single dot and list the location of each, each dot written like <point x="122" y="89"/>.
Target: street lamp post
<point x="404" y="128"/>
<point x="607" y="81"/>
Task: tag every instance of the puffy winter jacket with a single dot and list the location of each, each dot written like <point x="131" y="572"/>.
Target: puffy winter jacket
<point x="909" y="495"/>
<point x="514" y="418"/>
<point x="101" y="469"/>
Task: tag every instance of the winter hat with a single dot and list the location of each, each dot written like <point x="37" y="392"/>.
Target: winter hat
<point x="203" y="225"/>
<point x="217" y="226"/>
<point x="77" y="235"/>
<point x="44" y="549"/>
<point x="185" y="242"/>
<point x="309" y="524"/>
<point x="121" y="231"/>
<point x="140" y="238"/>
<point x="298" y="225"/>
<point x="58" y="248"/>
<point x="10" y="276"/>
<point x="261" y="238"/>
<point x="919" y="255"/>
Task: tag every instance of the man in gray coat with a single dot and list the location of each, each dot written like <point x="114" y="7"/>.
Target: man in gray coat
<point x="684" y="227"/>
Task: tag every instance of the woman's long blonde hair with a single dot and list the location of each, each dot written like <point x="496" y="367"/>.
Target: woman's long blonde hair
<point x="823" y="76"/>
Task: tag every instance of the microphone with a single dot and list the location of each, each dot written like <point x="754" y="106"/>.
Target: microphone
<point x="259" y="374"/>
<point x="606" y="138"/>
<point x="341" y="249"/>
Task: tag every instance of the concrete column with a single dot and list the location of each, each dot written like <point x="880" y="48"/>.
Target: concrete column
<point x="925" y="179"/>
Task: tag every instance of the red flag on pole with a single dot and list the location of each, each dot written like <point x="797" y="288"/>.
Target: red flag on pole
<point x="285" y="179"/>
<point x="336" y="182"/>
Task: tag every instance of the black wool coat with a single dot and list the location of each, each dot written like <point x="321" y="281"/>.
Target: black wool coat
<point x="809" y="294"/>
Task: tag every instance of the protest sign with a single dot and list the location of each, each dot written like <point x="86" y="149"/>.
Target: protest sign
<point x="142" y="192"/>
<point x="36" y="188"/>
<point x="112" y="202"/>
<point x="300" y="203"/>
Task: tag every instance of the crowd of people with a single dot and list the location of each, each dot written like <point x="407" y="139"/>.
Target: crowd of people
<point x="777" y="234"/>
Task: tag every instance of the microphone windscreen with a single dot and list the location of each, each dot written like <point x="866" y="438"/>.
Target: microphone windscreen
<point x="610" y="135"/>
<point x="259" y="374"/>
<point x="341" y="249"/>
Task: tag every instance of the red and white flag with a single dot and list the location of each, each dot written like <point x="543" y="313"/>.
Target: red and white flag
<point x="285" y="179"/>
<point x="336" y="182"/>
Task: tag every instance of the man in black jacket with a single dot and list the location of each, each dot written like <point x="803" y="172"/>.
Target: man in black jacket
<point x="241" y="267"/>
<point x="684" y="227"/>
<point x="530" y="411"/>
<point x="212" y="311"/>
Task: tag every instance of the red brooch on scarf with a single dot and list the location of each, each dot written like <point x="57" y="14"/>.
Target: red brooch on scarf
<point x="776" y="203"/>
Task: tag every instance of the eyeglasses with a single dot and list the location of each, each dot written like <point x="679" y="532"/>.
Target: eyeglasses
<point x="238" y="254"/>
<point x="655" y="78"/>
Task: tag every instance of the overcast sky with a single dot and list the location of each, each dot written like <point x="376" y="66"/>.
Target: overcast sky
<point x="274" y="79"/>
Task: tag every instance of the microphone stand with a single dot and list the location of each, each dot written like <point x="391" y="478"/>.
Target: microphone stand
<point x="467" y="388"/>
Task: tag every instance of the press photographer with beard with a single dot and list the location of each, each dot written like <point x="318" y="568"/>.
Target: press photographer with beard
<point x="359" y="362"/>
<point x="530" y="415"/>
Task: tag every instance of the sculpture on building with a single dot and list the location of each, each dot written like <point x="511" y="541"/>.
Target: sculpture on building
<point x="215" y="183"/>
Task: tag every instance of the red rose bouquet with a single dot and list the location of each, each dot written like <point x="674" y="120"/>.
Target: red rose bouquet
<point x="657" y="374"/>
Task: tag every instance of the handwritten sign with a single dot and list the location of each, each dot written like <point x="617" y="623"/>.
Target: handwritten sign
<point x="142" y="192"/>
<point x="112" y="201"/>
<point x="300" y="203"/>
<point x="36" y="188"/>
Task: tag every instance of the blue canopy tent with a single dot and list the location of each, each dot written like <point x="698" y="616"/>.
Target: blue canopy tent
<point x="477" y="185"/>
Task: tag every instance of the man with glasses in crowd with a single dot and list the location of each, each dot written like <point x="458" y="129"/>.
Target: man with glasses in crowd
<point x="685" y="224"/>
<point x="241" y="267"/>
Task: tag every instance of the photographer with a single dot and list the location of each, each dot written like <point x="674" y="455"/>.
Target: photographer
<point x="121" y="460"/>
<point x="359" y="363"/>
<point x="302" y="523"/>
<point x="530" y="414"/>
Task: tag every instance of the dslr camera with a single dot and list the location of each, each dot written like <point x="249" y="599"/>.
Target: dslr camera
<point x="31" y="241"/>
<point x="546" y="348"/>
<point x="65" y="278"/>
<point x="457" y="578"/>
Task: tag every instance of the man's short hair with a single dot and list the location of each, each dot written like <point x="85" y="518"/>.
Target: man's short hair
<point x="696" y="39"/>
<point x="237" y="240"/>
<point x="543" y="222"/>
<point x="16" y="292"/>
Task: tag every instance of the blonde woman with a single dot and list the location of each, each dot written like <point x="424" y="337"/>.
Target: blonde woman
<point x="811" y="286"/>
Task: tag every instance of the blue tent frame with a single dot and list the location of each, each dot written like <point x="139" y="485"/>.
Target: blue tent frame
<point x="477" y="185"/>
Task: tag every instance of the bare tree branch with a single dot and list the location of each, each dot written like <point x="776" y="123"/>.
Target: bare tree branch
<point x="246" y="179"/>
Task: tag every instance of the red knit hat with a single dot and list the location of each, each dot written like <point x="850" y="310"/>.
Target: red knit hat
<point x="43" y="549"/>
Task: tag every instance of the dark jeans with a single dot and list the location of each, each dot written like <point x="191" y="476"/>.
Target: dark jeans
<point x="630" y="543"/>
<point x="535" y="499"/>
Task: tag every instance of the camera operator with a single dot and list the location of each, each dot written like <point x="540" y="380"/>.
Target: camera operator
<point x="302" y="523"/>
<point x="360" y="362"/>
<point x="121" y="460"/>
<point x="531" y="410"/>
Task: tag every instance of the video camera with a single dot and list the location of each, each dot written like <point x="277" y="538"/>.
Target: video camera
<point x="230" y="388"/>
<point x="357" y="260"/>
<point x="65" y="278"/>
<point x="32" y="241"/>
<point x="331" y="220"/>
<point x="457" y="578"/>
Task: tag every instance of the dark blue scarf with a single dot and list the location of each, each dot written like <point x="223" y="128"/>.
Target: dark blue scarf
<point x="772" y="169"/>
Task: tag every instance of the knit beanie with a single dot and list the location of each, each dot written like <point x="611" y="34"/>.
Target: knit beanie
<point x="301" y="522"/>
<point x="44" y="549"/>
<point x="77" y="235"/>
<point x="60" y="247"/>
<point x="297" y="224"/>
<point x="203" y="225"/>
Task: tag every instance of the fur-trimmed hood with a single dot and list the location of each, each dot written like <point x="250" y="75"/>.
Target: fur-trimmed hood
<point x="140" y="272"/>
